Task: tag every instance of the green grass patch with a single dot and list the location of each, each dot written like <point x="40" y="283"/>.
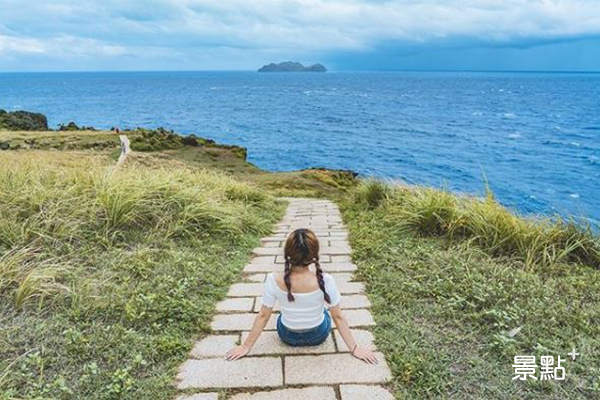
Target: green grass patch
<point x="454" y="305"/>
<point x="107" y="276"/>
<point x="164" y="147"/>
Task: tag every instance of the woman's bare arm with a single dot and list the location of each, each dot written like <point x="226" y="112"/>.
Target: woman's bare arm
<point x="342" y="326"/>
<point x="257" y="327"/>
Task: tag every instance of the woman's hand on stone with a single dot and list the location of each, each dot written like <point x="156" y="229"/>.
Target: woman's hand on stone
<point x="237" y="352"/>
<point x="365" y="355"/>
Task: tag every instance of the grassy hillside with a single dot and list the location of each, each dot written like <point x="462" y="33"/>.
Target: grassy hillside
<point x="460" y="286"/>
<point x="106" y="276"/>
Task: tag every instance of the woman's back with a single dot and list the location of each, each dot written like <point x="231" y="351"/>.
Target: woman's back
<point x="305" y="282"/>
<point x="306" y="311"/>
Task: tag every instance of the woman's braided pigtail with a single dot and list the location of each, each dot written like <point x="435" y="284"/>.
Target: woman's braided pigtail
<point x="287" y="280"/>
<point x="321" y="281"/>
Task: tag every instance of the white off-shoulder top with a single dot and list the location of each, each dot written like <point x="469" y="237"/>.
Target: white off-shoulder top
<point x="307" y="309"/>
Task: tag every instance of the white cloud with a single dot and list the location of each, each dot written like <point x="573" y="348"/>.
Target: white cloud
<point x="63" y="45"/>
<point x="10" y="44"/>
<point x="353" y="23"/>
<point x="116" y="28"/>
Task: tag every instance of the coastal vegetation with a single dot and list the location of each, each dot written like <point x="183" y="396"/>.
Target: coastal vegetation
<point x="72" y="126"/>
<point x="460" y="286"/>
<point x="23" y="121"/>
<point x="73" y="137"/>
<point x="161" y="146"/>
<point x="108" y="275"/>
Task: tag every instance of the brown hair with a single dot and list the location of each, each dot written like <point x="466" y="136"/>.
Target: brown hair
<point x="302" y="249"/>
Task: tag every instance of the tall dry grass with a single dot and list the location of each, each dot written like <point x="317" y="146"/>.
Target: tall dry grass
<point x="52" y="205"/>
<point x="536" y="241"/>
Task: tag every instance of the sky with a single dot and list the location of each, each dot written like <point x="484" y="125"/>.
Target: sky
<point x="92" y="35"/>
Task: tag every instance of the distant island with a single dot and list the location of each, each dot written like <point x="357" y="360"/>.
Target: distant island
<point x="291" y="66"/>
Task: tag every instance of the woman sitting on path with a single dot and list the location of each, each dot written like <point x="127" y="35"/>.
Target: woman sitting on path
<point x="303" y="321"/>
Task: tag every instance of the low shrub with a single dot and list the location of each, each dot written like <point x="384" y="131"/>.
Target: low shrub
<point x="371" y="193"/>
<point x="72" y="126"/>
<point x="23" y="121"/>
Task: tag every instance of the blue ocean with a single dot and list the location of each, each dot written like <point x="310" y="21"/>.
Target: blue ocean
<point x="535" y="137"/>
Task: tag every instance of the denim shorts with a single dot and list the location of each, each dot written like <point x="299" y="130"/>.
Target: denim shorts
<point x="312" y="337"/>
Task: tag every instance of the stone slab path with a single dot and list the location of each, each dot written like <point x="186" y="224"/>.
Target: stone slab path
<point x="273" y="370"/>
<point x="125" y="149"/>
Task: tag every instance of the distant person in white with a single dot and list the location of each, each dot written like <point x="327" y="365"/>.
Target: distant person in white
<point x="304" y="319"/>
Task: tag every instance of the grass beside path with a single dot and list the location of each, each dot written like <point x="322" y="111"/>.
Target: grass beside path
<point x="105" y="279"/>
<point x="452" y="311"/>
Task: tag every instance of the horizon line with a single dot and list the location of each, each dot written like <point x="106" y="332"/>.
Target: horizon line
<point x="549" y="71"/>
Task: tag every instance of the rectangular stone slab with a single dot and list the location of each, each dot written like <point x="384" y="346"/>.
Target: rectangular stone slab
<point x="362" y="337"/>
<point x="235" y="304"/>
<point x="353" y="301"/>
<point x="333" y="242"/>
<point x="362" y="392"/>
<point x="265" y="251"/>
<point x="331" y="369"/>
<point x="251" y="268"/>
<point x="335" y="250"/>
<point x="260" y="277"/>
<point x="323" y="234"/>
<point x="239" y="322"/>
<point x="271" y="239"/>
<point x="245" y="290"/>
<point x="272" y="244"/>
<point x="309" y="393"/>
<point x="263" y="260"/>
<point x="214" y="346"/>
<point x="351" y="287"/>
<point x="357" y="318"/>
<point x="338" y="267"/>
<point x="342" y="277"/>
<point x="338" y="234"/>
<point x="220" y="373"/>
<point x="341" y="259"/>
